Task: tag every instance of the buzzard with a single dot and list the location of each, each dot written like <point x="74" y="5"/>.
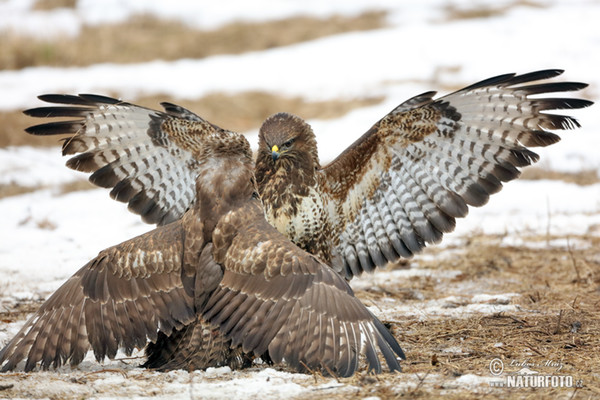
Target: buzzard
<point x="212" y="286"/>
<point x="397" y="188"/>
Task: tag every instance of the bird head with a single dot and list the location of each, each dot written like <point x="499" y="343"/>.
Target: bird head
<point x="285" y="138"/>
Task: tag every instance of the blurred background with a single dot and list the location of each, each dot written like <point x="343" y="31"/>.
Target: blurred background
<point x="235" y="62"/>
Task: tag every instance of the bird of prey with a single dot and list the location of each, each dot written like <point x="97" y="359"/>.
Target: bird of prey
<point x="397" y="188"/>
<point x="212" y="286"/>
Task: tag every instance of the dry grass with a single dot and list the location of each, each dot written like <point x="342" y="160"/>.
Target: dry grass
<point x="557" y="320"/>
<point x="19" y="311"/>
<point x="146" y="38"/>
<point x="46" y="5"/>
<point x="583" y="178"/>
<point x="13" y="125"/>
<point x="14" y="189"/>
<point x="559" y="299"/>
<point x="475" y="10"/>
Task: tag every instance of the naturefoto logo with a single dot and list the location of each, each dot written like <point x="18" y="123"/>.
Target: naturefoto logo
<point x="526" y="375"/>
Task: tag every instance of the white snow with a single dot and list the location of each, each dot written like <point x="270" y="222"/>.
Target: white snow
<point x="18" y="16"/>
<point x="45" y="236"/>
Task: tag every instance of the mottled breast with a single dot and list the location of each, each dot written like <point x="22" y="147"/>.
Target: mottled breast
<point x="303" y="219"/>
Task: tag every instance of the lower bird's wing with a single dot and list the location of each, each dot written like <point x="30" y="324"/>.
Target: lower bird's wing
<point x="120" y="299"/>
<point x="276" y="297"/>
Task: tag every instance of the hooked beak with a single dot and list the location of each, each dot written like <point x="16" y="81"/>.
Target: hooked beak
<point x="275" y="152"/>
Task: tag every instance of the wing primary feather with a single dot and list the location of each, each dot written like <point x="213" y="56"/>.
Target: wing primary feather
<point x="51" y="112"/>
<point x="55" y="128"/>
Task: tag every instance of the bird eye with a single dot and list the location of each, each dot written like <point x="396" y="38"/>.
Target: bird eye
<point x="288" y="143"/>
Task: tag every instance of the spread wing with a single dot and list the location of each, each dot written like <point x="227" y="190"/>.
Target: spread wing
<point x="276" y="297"/>
<point x="120" y="299"/>
<point x="148" y="158"/>
<point x="403" y="183"/>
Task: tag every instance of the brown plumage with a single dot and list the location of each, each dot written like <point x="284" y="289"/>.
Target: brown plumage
<point x="397" y="188"/>
<point x="208" y="289"/>
<point x="195" y="346"/>
<point x="405" y="181"/>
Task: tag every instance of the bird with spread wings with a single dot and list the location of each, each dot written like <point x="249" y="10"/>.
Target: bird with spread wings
<point x="215" y="285"/>
<point x="397" y="188"/>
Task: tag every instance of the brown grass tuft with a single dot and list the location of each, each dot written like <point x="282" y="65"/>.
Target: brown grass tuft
<point x="582" y="178"/>
<point x="455" y="12"/>
<point x="13" y="133"/>
<point x="14" y="189"/>
<point x="145" y="38"/>
<point x="46" y="5"/>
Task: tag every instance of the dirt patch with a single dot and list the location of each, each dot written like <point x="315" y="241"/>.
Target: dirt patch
<point x="146" y="38"/>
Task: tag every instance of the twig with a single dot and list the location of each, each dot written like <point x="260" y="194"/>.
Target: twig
<point x="548" y="221"/>
<point x="107" y="370"/>
<point x="574" y="302"/>
<point x="573" y="260"/>
<point x="508" y="316"/>
<point x="557" y="330"/>
<point x="530" y="347"/>
<point x="574" y="393"/>
<point x="313" y="373"/>
<point x="191" y="384"/>
<point x="421" y="382"/>
<point x="330" y="372"/>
